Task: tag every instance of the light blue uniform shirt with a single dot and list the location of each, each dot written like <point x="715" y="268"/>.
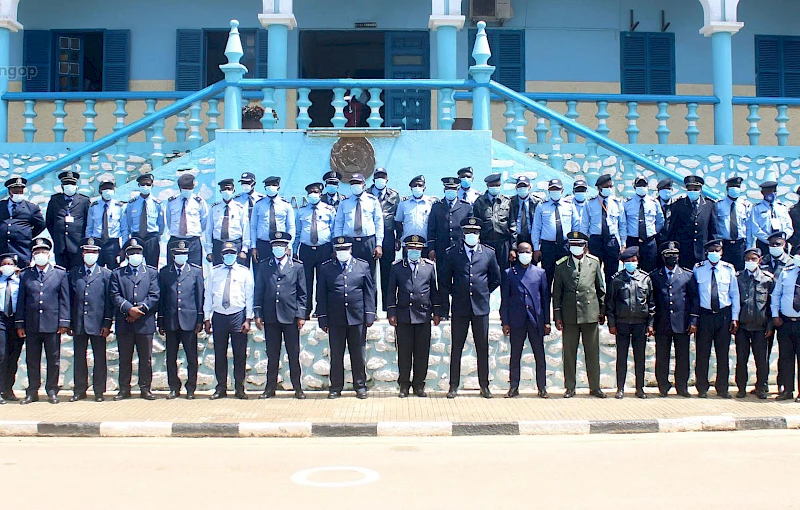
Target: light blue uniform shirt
<point x="783" y="293"/>
<point x="246" y="199"/>
<point x="9" y="284"/>
<point x="155" y="216"/>
<point x="259" y="223"/>
<point x="196" y="216"/>
<point x="764" y="220"/>
<point x="593" y="215"/>
<point x="238" y="225"/>
<point x="469" y="195"/>
<point x="727" y="286"/>
<point x="653" y="216"/>
<point x="544" y="221"/>
<point x="325" y="216"/>
<point x="580" y="209"/>
<point x="116" y="227"/>
<point x="371" y="218"/>
<point x="413" y="213"/>
<point x="743" y="208"/>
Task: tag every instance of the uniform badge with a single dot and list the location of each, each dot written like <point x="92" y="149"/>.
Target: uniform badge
<point x="278" y="235"/>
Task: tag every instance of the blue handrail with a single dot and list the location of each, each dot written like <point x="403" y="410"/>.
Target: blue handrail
<point x="350" y="83"/>
<point x="561" y="97"/>
<point x="767" y="101"/>
<point x="543" y="111"/>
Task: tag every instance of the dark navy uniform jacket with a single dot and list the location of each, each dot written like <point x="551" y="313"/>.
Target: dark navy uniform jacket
<point x="43" y="306"/>
<point x="525" y="297"/>
<point x="128" y="291"/>
<point x="497" y="222"/>
<point x="89" y="296"/>
<point x="180" y="303"/>
<point x="413" y="298"/>
<point x="280" y="294"/>
<point x="677" y="303"/>
<point x="692" y="231"/>
<point x="345" y="297"/>
<point x="469" y="283"/>
<point x="67" y="235"/>
<point x="17" y="233"/>
<point x="444" y="224"/>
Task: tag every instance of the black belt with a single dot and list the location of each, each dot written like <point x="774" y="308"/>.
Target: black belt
<point x="363" y="238"/>
<point x="229" y="240"/>
<point x="733" y="241"/>
<point x="147" y="235"/>
<point x="313" y="247"/>
<point x="706" y="311"/>
<point x="640" y="239"/>
<point x="551" y="242"/>
<point x="176" y="238"/>
<point x="789" y="319"/>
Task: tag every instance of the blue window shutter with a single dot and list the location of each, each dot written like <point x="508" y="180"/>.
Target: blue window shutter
<point x="37" y="50"/>
<point x="791" y="67"/>
<point x="510" y="61"/>
<point x="633" y="59"/>
<point x="189" y="60"/>
<point x="116" y="60"/>
<point x="768" y="66"/>
<point x="661" y="63"/>
<point x="261" y="54"/>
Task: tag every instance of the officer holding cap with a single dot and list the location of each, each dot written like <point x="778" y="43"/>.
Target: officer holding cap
<point x="144" y="218"/>
<point x="20" y="222"/>
<point x="65" y="219"/>
<point x="187" y="217"/>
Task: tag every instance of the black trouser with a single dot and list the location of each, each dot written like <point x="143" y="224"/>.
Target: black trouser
<point x="14" y="346"/>
<point x="81" y="370"/>
<point x="713" y="329"/>
<point x="34" y="342"/>
<point x="226" y="327"/>
<point x="788" y="352"/>
<point x="174" y="340"/>
<point x="388" y="257"/>
<point x="631" y="335"/>
<point x="552" y="252"/>
<point x="69" y="260"/>
<point x="194" y="246"/>
<point x="109" y="253"/>
<point x="770" y="345"/>
<point x="648" y="252"/>
<point x="518" y="335"/>
<point x="364" y="248"/>
<point x="589" y="334"/>
<point x="144" y="350"/>
<point x="607" y="250"/>
<point x="733" y="252"/>
<point x="755" y="340"/>
<point x="413" y="348"/>
<point x="216" y="250"/>
<point x="151" y="247"/>
<point x="502" y="249"/>
<point x="290" y="334"/>
<point x="312" y="258"/>
<point x="480" y="332"/>
<point x="355" y="339"/>
<point x="664" y="343"/>
<point x="264" y="249"/>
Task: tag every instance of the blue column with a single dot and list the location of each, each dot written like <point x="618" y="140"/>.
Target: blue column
<point x="5" y="50"/>
<point x="723" y="87"/>
<point x="446" y="37"/>
<point x="482" y="73"/>
<point x="234" y="71"/>
<point x="277" y="61"/>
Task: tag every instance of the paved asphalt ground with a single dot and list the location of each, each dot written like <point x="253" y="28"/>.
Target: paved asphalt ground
<point x="705" y="470"/>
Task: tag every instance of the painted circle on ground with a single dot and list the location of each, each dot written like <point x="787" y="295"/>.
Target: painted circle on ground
<point x="367" y="476"/>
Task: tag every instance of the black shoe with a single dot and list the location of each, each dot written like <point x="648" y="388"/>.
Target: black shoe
<point x="333" y="395"/>
<point x="123" y="395"/>
<point x="219" y="394"/>
<point x="77" y="396"/>
<point x="619" y="395"/>
<point x="640" y="393"/>
<point x="543" y="393"/>
<point x="190" y="395"/>
<point x="361" y="393"/>
<point x="52" y="397"/>
<point x="753" y="391"/>
<point x="268" y="393"/>
<point x="663" y="393"/>
<point x="9" y="396"/>
<point x="403" y="392"/>
<point x="29" y="399"/>
<point x="569" y="393"/>
<point x="684" y="393"/>
<point x="597" y="393"/>
<point x="99" y="397"/>
<point x="786" y="395"/>
<point x="173" y="394"/>
<point x="797" y="399"/>
<point x="485" y="393"/>
<point x="512" y="393"/>
<point x="146" y="394"/>
<point x="420" y="392"/>
<point x="453" y="392"/>
<point x="2" y="400"/>
<point x="761" y="394"/>
<point x="702" y="394"/>
<point x="724" y="394"/>
<point x="741" y="394"/>
<point x="299" y="395"/>
<point x="240" y="394"/>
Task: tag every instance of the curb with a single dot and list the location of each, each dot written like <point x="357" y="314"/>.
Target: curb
<point x="394" y="429"/>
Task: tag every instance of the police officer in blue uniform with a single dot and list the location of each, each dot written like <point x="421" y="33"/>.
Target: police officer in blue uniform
<point x="552" y="221"/>
<point x="144" y="219"/>
<point x="498" y="226"/>
<point x="187" y="217"/>
<point x="605" y="224"/>
<point x="733" y="218"/>
<point x="346" y="308"/>
<point x="134" y="294"/>
<point x="413" y="212"/>
<point x="270" y="214"/>
<point x="313" y="242"/>
<point x="644" y="220"/>
<point x="444" y="224"/>
<point x="775" y="262"/>
<point x="360" y="216"/>
<point x="43" y="316"/>
<point x="389" y="200"/>
<point x="785" y="304"/>
<point x="469" y="274"/>
<point x="676" y="315"/>
<point x="20" y="222"/>
<point x="465" y="191"/>
<point x="693" y="221"/>
<point x="92" y="315"/>
<point x="718" y="293"/>
<point x="279" y="304"/>
<point x="769" y="216"/>
<point x="665" y="197"/>
<point x="332" y="197"/>
<point x="413" y="301"/>
<point x="525" y="313"/>
<point x="523" y="209"/>
<point x="10" y="344"/>
<point x="578" y="198"/>
<point x="229" y="221"/>
<point x="248" y="198"/>
<point x="180" y="316"/>
<point x="105" y="223"/>
<point x="65" y="219"/>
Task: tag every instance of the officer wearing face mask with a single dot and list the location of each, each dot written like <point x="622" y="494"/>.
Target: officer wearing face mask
<point x="693" y="221"/>
<point x="733" y="215"/>
<point x="785" y="304"/>
<point x="498" y="228"/>
<point x="65" y="219"/>
<point x="360" y="216"/>
<point x="331" y="195"/>
<point x="10" y="344"/>
<point x="444" y="224"/>
<point x="644" y="220"/>
<point x="248" y="198"/>
<point x="105" y="223"/>
<point x="20" y="222"/>
<point x="389" y="200"/>
<point x="411" y="218"/>
<point x="664" y="200"/>
<point x="229" y="222"/>
<point x="578" y="199"/>
<point x="523" y="209"/>
<point x="187" y="217"/>
<point x="605" y="224"/>
<point x="769" y="216"/>
<point x="144" y="219"/>
<point x="465" y="191"/>
<point x="775" y="262"/>
<point x="313" y="242"/>
<point x="270" y="214"/>
<point x="552" y="221"/>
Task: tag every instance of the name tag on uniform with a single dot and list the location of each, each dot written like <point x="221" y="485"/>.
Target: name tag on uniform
<point x="69" y="219"/>
<point x="776" y="224"/>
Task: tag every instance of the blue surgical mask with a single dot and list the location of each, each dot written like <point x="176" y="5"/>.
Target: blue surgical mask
<point x="523" y="192"/>
<point x="331" y="189"/>
<point x="417" y="191"/>
<point x="714" y="256"/>
<point x="576" y="251"/>
<point x="769" y="198"/>
<point x="606" y="192"/>
<point x="89" y="258"/>
<point x="414" y="255"/>
<point x="751" y="265"/>
<point x="665" y="194"/>
<point x="107" y="194"/>
<point x="580" y="196"/>
<point x="272" y="191"/>
<point x="631" y="267"/>
<point x="776" y="251"/>
<point x="229" y="259"/>
<point x="380" y="183"/>
<point x="466" y="182"/>
<point x="734" y="193"/>
<point x="70" y="189"/>
<point x="471" y="239"/>
<point x="135" y="259"/>
<point x="226" y="194"/>
<point x="450" y="194"/>
<point x="247" y="188"/>
<point x="641" y="191"/>
<point x="313" y="198"/>
<point x="181" y="259"/>
<point x="279" y="251"/>
<point x="494" y="190"/>
<point x="145" y="189"/>
<point x="555" y="196"/>
<point x="694" y="196"/>
<point x="356" y="189"/>
<point x="187" y="193"/>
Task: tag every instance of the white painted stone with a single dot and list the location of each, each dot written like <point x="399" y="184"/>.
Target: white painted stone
<point x="376" y="363"/>
<point x="257" y="380"/>
<point x="208" y="362"/>
<point x="312" y="340"/>
<point x="347" y="364"/>
<point x="4" y="164"/>
<point x="717" y="167"/>
<point x="715" y="159"/>
<point x="434" y="360"/>
<point x="158" y="346"/>
<point x="742" y="167"/>
<point x="610" y="161"/>
<point x="528" y="357"/>
<point x="374" y="333"/>
<point x="431" y="375"/>
<point x="18" y="428"/>
<point x="436" y="333"/>
<point x="390" y="335"/>
<point x="306" y="358"/>
<point x="495" y="335"/>
<point x="160" y="380"/>
<point x="503" y="374"/>
<point x="415" y="429"/>
<point x="135" y="429"/>
<point x="526" y="373"/>
<point x="554" y="427"/>
<point x="470" y="383"/>
<point x="261" y="367"/>
<point x="267" y="429"/>
<point x="438" y="347"/>
<point x="469" y="365"/>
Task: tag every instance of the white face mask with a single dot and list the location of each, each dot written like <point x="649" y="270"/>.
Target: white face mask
<point x="107" y="194"/>
<point x="135" y="259"/>
<point x="380" y="183"/>
<point x="18" y="197"/>
<point x="577" y="251"/>
<point x="641" y="191"/>
<point x="525" y="258"/>
<point x="144" y="190"/>
<point x="247" y="188"/>
<point x="70" y="189"/>
<point x="41" y="259"/>
<point x="272" y="191"/>
<point x="181" y="259"/>
<point x="776" y="251"/>
<point x="751" y="265"/>
<point x="342" y="255"/>
<point x="8" y="270"/>
<point x="90" y="258"/>
<point x="226" y="194"/>
<point x="356" y="189"/>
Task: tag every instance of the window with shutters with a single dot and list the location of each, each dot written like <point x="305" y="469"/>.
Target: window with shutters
<point x="777" y="66"/>
<point x="647" y="61"/>
<point x="201" y="52"/>
<point x="508" y="56"/>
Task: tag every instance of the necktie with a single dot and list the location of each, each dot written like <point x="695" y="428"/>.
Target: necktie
<point x="105" y="234"/>
<point x="179" y="272"/>
<point x="470" y="252"/>
<point x="314" y="232"/>
<point x="642" y="226"/>
<point x="734" y="223"/>
<point x="226" y="223"/>
<point x="135" y="272"/>
<point x="714" y="291"/>
<point x="226" y="295"/>
<point x="604" y="219"/>
<point x="559" y="229"/>
<point x="771" y="218"/>
<point x="8" y="308"/>
<point x="413" y="269"/>
<point x="524" y="225"/>
<point x="250" y="206"/>
<point x="41" y="275"/>
<point x="88" y="272"/>
<point x="273" y="223"/>
<point x="13" y="209"/>
<point x="143" y="219"/>
<point x="796" y="301"/>
<point x="184" y="228"/>
<point x="669" y="276"/>
<point x="358" y="226"/>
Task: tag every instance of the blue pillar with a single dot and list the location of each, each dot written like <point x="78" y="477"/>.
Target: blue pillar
<point x="5" y="50"/>
<point x="234" y="71"/>
<point x="723" y="87"/>
<point x="446" y="37"/>
<point x="277" y="61"/>
<point x="482" y="73"/>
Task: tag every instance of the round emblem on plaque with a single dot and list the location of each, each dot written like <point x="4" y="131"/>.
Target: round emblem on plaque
<point x="353" y="156"/>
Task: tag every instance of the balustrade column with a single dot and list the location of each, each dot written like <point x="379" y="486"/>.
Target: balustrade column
<point x="29" y="130"/>
<point x="59" y="113"/>
<point x="753" y="133"/>
<point x="213" y="115"/>
<point x="89" y="129"/>
<point x="556" y="157"/>
<point x="234" y="71"/>
<point x="691" y="118"/>
<point x="181" y="127"/>
<point x="663" y="116"/>
<point x="782" y="134"/>
<point x="572" y="114"/>
<point x="509" y="128"/>
<point x="375" y="103"/>
<point x="195" y="139"/>
<point x="278" y="19"/>
<point x="338" y="103"/>
<point x="633" y="128"/>
<point x="541" y="126"/>
<point x="121" y="147"/>
<point x="520" y="138"/>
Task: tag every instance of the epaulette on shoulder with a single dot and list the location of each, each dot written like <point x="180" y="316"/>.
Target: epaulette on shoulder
<point x="329" y="261"/>
<point x="398" y="261"/>
<point x="56" y="266"/>
<point x="198" y="199"/>
<point x="768" y="273"/>
<point x="700" y="264"/>
<point x="728" y="265"/>
<point x="562" y="260"/>
<point x="120" y="202"/>
<point x="403" y="199"/>
<point x="590" y="256"/>
<point x="618" y="273"/>
<point x="173" y="198"/>
<point x="218" y="265"/>
<point x="215" y="204"/>
<point x="362" y="260"/>
<point x="238" y="195"/>
<point x="489" y="248"/>
<point x="154" y="268"/>
<point x="195" y="265"/>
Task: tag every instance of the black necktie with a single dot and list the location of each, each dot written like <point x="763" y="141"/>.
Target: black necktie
<point x="358" y="226"/>
<point x="524" y="225"/>
<point x="226" y="224"/>
<point x="183" y="230"/>
<point x="604" y="219"/>
<point x="143" y="218"/>
<point x="771" y="217"/>
<point x="13" y="209"/>
<point x="413" y="269"/>
<point x="105" y="234"/>
<point x="471" y="253"/>
<point x="273" y="223"/>
<point x="796" y="301"/>
<point x="226" y="295"/>
<point x="734" y="223"/>
<point x="314" y="232"/>
<point x="179" y="271"/>
<point x="250" y="206"/>
<point x="41" y="275"/>
<point x="669" y="276"/>
<point x="642" y="225"/>
<point x="559" y="229"/>
<point x="8" y="308"/>
<point x="714" y="291"/>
